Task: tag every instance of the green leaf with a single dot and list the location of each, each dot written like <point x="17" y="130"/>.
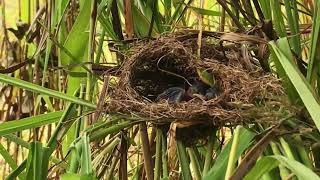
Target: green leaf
<point x="112" y="129"/>
<point x="314" y="61"/>
<point x="299" y="82"/>
<point x="7" y="157"/>
<point x="77" y="39"/>
<point x="288" y="86"/>
<point x="262" y="166"/>
<point x="205" y="11"/>
<point x="300" y="170"/>
<point x="29" y="123"/>
<point x="45" y="91"/>
<point x="184" y="160"/>
<point x="207" y="77"/>
<point x="70" y="176"/>
<point x="267" y="163"/>
<point x="219" y="169"/>
<point x="278" y="18"/>
<point x="34" y="163"/>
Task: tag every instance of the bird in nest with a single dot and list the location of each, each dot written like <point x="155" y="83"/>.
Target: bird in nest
<point x="197" y="88"/>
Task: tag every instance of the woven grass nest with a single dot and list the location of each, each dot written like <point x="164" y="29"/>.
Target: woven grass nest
<point x="246" y="95"/>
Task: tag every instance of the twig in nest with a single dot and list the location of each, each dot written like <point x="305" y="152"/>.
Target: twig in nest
<point x="171" y="73"/>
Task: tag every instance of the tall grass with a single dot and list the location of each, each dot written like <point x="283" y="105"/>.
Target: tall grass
<point x="52" y="124"/>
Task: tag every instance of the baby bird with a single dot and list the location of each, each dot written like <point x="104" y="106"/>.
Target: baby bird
<point x="173" y="95"/>
<point x="178" y="94"/>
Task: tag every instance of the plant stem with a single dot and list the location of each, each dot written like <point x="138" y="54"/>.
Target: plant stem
<point x="232" y="157"/>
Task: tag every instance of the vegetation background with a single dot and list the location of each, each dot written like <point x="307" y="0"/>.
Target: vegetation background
<point x="49" y="91"/>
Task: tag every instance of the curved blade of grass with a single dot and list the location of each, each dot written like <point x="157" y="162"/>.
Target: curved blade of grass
<point x="184" y="161"/>
<point x="77" y="39"/>
<point x="203" y="11"/>
<point x="61" y="129"/>
<point x="267" y="163"/>
<point x="232" y="156"/>
<point x="25" y="144"/>
<point x="219" y="169"/>
<point x="15" y="173"/>
<point x="29" y="123"/>
<point x="265" y="7"/>
<point x="262" y="166"/>
<point x="293" y="25"/>
<point x="112" y="129"/>
<point x="34" y="166"/>
<point x="300" y="170"/>
<point x="278" y="18"/>
<point x="314" y="61"/>
<point x="86" y="164"/>
<point x="288" y="86"/>
<point x="41" y="90"/>
<point x="7" y="157"/>
<point x="299" y="82"/>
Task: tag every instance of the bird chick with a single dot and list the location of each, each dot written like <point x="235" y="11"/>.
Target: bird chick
<point x="211" y="93"/>
<point x="173" y="95"/>
<point x="202" y="89"/>
<point x="198" y="89"/>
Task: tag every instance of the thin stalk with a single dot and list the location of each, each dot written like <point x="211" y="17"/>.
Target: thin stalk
<point x="49" y="43"/>
<point x="165" y="173"/>
<point x="278" y="19"/>
<point x="283" y="170"/>
<point x="184" y="160"/>
<point x="232" y="156"/>
<point x="200" y="18"/>
<point x="91" y="54"/>
<point x="74" y="160"/>
<point x="288" y="150"/>
<point x="303" y="154"/>
<point x="194" y="163"/>
<point x="100" y="46"/>
<point x="123" y="150"/>
<point x="292" y="22"/>
<point x="222" y="20"/>
<point x="146" y="150"/>
<point x="208" y="157"/>
<point x="115" y="161"/>
<point x="231" y="14"/>
<point x="157" y="168"/>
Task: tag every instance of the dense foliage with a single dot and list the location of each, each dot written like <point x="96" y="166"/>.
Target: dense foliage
<point x="59" y="62"/>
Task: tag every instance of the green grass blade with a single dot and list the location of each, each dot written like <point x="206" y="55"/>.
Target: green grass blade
<point x="278" y="19"/>
<point x="184" y="161"/>
<point x="262" y="166"/>
<point x="314" y="61"/>
<point x="7" y="157"/>
<point x="266" y="10"/>
<point x="232" y="156"/>
<point x="299" y="82"/>
<point x="207" y="12"/>
<point x="293" y="25"/>
<point x="219" y="169"/>
<point x="112" y="129"/>
<point x="45" y="91"/>
<point x="77" y="39"/>
<point x="29" y="123"/>
<point x="300" y="170"/>
<point x="34" y="166"/>
<point x="15" y="173"/>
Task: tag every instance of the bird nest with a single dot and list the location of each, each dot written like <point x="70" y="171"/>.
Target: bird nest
<point x="245" y="95"/>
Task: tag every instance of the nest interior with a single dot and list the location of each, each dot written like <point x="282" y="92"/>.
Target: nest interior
<point x="158" y="69"/>
<point x="246" y="96"/>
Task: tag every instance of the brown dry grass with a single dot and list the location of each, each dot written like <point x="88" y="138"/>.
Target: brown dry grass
<point x="247" y="96"/>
